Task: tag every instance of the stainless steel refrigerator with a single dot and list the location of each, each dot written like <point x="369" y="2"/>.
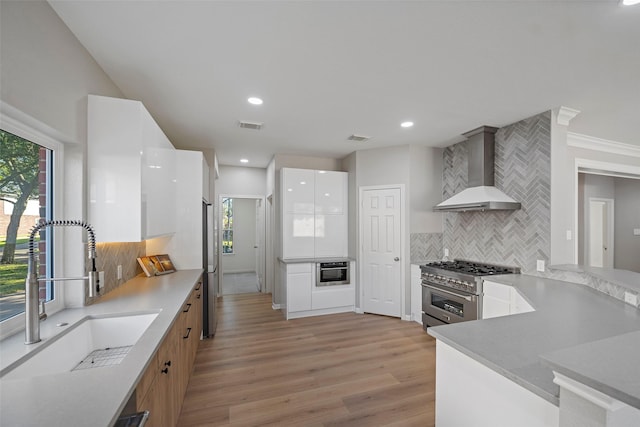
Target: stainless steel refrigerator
<point x="210" y="282"/>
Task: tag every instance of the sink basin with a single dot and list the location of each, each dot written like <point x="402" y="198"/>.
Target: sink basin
<point x="95" y="336"/>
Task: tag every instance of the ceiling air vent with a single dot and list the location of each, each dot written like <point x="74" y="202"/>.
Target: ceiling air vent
<point x="359" y="138"/>
<point x="250" y="125"/>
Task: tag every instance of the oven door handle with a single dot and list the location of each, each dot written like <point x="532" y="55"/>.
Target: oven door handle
<point x="466" y="297"/>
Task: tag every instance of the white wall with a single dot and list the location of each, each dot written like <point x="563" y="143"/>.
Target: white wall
<point x="426" y="189"/>
<point x="47" y="74"/>
<point x="243" y="258"/>
<point x="236" y="181"/>
<point x="564" y="186"/>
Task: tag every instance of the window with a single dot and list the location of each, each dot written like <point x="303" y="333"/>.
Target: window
<point x="25" y="199"/>
<point x="227" y="226"/>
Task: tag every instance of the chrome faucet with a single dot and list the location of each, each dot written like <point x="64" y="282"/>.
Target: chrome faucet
<point x="32" y="315"/>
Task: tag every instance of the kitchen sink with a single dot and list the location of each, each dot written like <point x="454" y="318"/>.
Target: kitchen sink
<point x="94" y="341"/>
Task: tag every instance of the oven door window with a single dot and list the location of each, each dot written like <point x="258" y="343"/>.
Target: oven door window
<point x="333" y="275"/>
<point x="447" y="304"/>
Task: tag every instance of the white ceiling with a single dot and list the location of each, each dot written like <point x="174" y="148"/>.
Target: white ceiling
<point x="328" y="69"/>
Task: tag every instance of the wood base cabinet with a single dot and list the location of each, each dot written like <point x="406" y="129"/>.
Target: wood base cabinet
<point x="162" y="387"/>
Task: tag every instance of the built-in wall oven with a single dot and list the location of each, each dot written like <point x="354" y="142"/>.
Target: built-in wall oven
<point x="452" y="290"/>
<point x="332" y="273"/>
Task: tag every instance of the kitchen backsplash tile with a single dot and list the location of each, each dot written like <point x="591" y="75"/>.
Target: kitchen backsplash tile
<point x="425" y="247"/>
<point x="523" y="171"/>
<point x="110" y="255"/>
<point x="599" y="284"/>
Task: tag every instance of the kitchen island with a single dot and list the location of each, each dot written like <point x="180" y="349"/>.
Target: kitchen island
<point x="93" y="397"/>
<point x="514" y="382"/>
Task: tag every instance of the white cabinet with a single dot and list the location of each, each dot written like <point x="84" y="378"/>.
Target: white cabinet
<point x="298" y="191"/>
<point x="303" y="298"/>
<point x="416" y="293"/>
<point x="330" y="238"/>
<point x="314" y="213"/>
<point x="131" y="172"/>
<point x="336" y="296"/>
<point x="502" y="300"/>
<point x="300" y="281"/>
<point x="185" y="245"/>
<point x="330" y="192"/>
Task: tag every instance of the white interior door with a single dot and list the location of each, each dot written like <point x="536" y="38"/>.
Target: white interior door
<point x="381" y="249"/>
<point x="259" y="246"/>
<point x="601" y="232"/>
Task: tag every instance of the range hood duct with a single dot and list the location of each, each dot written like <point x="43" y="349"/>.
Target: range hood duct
<point x="481" y="195"/>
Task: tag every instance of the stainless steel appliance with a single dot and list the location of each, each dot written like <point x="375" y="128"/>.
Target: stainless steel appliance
<point x="332" y="273"/>
<point x="452" y="290"/>
<point x="209" y="277"/>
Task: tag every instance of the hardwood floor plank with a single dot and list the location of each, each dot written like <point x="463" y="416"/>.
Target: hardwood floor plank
<point x="342" y="369"/>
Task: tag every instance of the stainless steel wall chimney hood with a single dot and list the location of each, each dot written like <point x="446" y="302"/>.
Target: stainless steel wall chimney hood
<point x="481" y="194"/>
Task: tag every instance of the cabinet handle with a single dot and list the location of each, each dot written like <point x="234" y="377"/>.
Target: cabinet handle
<point x="188" y="308"/>
<point x="198" y="296"/>
<point x="199" y="285"/>
<point x="168" y="363"/>
<point x="165" y="371"/>
<point x="188" y="333"/>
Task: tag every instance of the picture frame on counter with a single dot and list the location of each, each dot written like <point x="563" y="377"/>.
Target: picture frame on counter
<point x="156" y="265"/>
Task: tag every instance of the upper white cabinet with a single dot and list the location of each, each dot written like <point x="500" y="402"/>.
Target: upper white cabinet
<point x="314" y="213"/>
<point x="298" y="192"/>
<point x="330" y="192"/>
<point x="131" y="172"/>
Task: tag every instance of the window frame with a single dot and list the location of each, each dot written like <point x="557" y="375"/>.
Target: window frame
<point x="24" y="126"/>
<point x="230" y="229"/>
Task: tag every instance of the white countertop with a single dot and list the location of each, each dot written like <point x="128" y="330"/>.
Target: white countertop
<point x="92" y="397"/>
<point x="312" y="260"/>
<point x="569" y="318"/>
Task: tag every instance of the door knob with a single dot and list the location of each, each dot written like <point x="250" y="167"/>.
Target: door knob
<point x="396" y="259"/>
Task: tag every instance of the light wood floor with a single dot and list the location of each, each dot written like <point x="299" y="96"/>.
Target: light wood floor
<point x="338" y="370"/>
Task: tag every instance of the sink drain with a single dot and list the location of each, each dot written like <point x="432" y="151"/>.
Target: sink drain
<point x="103" y="357"/>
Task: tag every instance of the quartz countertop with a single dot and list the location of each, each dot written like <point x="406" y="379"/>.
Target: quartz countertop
<point x="94" y="396"/>
<point x="625" y="278"/>
<point x="567" y="316"/>
<point x="313" y="260"/>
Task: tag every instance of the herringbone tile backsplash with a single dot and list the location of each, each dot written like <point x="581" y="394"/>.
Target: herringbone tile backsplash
<point x="110" y="255"/>
<point x="523" y="171"/>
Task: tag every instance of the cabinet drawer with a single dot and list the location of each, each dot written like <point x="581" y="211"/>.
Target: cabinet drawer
<point x="304" y="267"/>
<point x="331" y="298"/>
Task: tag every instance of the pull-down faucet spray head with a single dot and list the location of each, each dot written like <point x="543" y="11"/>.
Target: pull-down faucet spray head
<point x="32" y="316"/>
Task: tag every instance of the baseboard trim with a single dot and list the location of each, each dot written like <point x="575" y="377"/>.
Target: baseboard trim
<point x="358" y="310"/>
<point x="276" y="306"/>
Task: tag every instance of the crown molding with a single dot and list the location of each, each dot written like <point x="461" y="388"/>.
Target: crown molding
<point x="587" y="142"/>
<point x="565" y="114"/>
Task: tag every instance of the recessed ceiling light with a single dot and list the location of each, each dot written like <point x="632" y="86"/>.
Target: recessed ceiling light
<point x="406" y="124"/>
<point x="244" y="160"/>
<point x="255" y="101"/>
<point x="630" y="2"/>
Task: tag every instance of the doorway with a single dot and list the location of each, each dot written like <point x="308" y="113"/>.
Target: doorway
<point x="382" y="243"/>
<point x="600" y="234"/>
<point x="242" y="244"/>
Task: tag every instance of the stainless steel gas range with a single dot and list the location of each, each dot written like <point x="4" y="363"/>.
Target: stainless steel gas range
<point x="452" y="290"/>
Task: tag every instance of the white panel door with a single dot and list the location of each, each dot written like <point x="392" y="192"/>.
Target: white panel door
<point x="382" y="275"/>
